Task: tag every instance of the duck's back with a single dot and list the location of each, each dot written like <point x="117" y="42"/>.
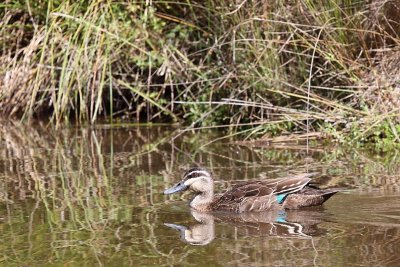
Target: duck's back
<point x="256" y="196"/>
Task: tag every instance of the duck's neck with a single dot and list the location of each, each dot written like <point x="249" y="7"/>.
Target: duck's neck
<point x="202" y="201"/>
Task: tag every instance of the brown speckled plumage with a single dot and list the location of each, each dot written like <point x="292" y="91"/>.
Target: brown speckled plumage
<point x="251" y="196"/>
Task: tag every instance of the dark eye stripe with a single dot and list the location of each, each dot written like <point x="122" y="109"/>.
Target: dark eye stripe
<point x="196" y="174"/>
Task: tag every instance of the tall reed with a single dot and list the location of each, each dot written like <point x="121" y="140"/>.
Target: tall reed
<point x="265" y="67"/>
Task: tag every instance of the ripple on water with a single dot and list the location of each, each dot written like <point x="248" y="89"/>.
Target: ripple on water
<point x="93" y="196"/>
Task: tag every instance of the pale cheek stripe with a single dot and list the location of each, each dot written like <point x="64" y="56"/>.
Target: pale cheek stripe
<point x="193" y="180"/>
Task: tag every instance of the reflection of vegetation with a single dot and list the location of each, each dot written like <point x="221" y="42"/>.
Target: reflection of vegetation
<point x="91" y="195"/>
<point x="273" y="67"/>
<point x="72" y="197"/>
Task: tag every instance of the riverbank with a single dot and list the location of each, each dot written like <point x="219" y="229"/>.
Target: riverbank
<point x="261" y="70"/>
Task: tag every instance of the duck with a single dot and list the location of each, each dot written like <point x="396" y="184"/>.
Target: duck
<point x="287" y="193"/>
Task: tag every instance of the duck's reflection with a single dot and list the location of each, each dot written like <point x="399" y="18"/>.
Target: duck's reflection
<point x="285" y="224"/>
<point x="201" y="233"/>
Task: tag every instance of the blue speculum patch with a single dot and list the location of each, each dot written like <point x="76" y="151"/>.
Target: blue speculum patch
<point x="281" y="217"/>
<point x="280" y="198"/>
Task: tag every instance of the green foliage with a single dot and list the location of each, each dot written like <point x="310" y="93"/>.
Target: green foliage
<point x="383" y="136"/>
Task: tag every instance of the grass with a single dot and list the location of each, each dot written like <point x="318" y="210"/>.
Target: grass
<point x="266" y="68"/>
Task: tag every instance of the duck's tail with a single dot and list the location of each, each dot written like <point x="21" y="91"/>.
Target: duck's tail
<point x="309" y="196"/>
<point x="327" y="193"/>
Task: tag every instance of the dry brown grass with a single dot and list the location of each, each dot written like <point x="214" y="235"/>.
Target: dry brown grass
<point x="268" y="68"/>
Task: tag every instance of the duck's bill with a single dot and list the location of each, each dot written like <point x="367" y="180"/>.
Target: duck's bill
<point x="178" y="227"/>
<point x="175" y="189"/>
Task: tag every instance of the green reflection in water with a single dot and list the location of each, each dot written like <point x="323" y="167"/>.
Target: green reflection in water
<point x="93" y="196"/>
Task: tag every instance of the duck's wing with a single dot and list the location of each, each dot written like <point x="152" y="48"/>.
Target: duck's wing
<point x="258" y="195"/>
<point x="278" y="186"/>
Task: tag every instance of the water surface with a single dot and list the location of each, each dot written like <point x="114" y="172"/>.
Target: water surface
<point x="93" y="196"/>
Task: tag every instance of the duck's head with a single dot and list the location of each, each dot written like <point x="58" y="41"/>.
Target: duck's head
<point x="198" y="180"/>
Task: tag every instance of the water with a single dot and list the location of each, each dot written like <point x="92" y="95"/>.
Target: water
<point x="92" y="196"/>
